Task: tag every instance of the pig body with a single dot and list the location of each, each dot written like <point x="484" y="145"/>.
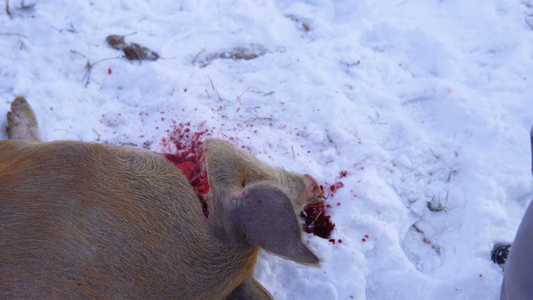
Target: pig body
<point x="70" y="228"/>
<point x="85" y="220"/>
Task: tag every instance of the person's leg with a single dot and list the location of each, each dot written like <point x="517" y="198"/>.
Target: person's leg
<point x="518" y="276"/>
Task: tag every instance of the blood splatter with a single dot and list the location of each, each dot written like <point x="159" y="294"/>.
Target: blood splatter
<point x="337" y="185"/>
<point x="184" y="149"/>
<point x="189" y="158"/>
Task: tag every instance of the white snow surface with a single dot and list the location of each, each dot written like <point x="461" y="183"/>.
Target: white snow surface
<point x="419" y="100"/>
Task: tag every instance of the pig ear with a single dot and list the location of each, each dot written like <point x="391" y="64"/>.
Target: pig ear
<point x="265" y="218"/>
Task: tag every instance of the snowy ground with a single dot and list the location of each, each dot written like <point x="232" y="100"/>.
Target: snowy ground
<point x="420" y="101"/>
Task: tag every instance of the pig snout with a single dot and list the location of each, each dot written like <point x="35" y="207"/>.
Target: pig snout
<point x="312" y="193"/>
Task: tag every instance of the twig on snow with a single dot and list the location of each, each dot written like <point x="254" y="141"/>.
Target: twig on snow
<point x="26" y="6"/>
<point x="89" y="66"/>
<point x="197" y="55"/>
<point x="435" y="155"/>
<point x="70" y="132"/>
<point x="8" y="12"/>
<point x="214" y="89"/>
<point x="250" y="110"/>
<point x="23" y="6"/>
<point x="14" y="34"/>
<point x="528" y="22"/>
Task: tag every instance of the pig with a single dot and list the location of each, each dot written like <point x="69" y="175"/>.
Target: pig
<point x="87" y="220"/>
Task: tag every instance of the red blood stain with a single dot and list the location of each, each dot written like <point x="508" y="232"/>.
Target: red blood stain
<point x="189" y="159"/>
<point x="316" y="221"/>
<point x="337" y="185"/>
<point x="344" y="173"/>
<point x="333" y="241"/>
<point x="109" y="71"/>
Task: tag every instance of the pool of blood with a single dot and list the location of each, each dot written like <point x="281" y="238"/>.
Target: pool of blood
<point x="189" y="158"/>
<point x="316" y="221"/>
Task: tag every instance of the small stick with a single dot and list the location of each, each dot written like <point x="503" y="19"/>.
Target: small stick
<point x="315" y="219"/>
<point x="89" y="66"/>
<point x="197" y="55"/>
<point x="14" y="34"/>
<point x="7" y="9"/>
<point x="252" y="112"/>
<point x="214" y="89"/>
<point x="69" y="132"/>
<point x="26" y="6"/>
<point x="435" y="155"/>
<point x="529" y="23"/>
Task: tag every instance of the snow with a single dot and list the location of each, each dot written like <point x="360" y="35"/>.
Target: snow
<point x="420" y="101"/>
